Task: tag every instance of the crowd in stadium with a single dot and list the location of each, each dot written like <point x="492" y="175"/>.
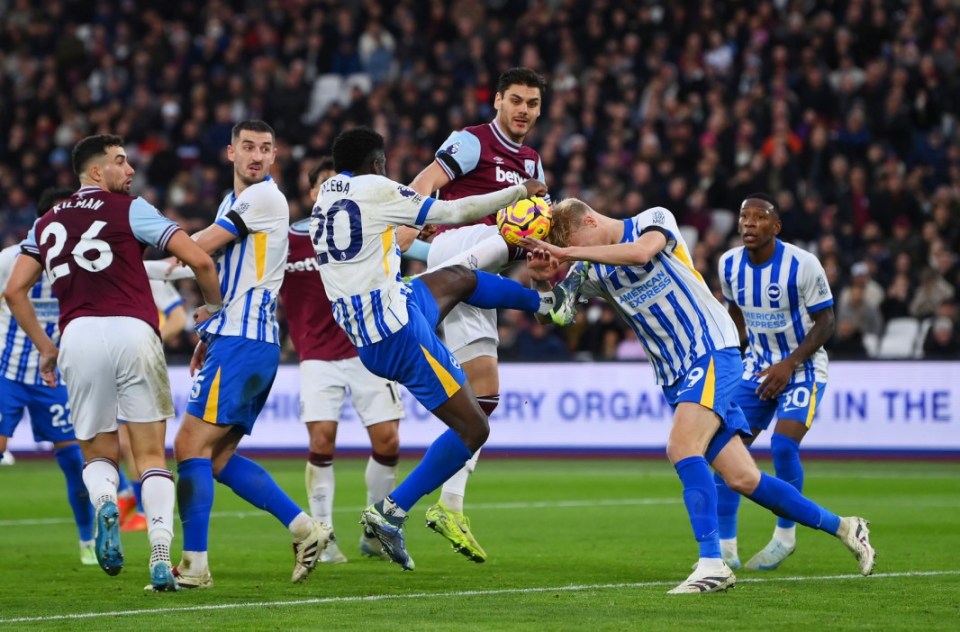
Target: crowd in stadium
<point x="845" y="110"/>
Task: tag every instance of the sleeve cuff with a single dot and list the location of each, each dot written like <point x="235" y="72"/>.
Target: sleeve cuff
<point x="167" y="236"/>
<point x="171" y="307"/>
<point x="224" y="222"/>
<point x="30" y="252"/>
<point x="819" y="307"/>
<point x="660" y="229"/>
<point x="449" y="165"/>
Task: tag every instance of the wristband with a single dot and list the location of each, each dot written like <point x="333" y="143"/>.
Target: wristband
<point x="213" y="308"/>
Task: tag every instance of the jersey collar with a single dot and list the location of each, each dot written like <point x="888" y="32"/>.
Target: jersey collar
<point x="501" y="136"/>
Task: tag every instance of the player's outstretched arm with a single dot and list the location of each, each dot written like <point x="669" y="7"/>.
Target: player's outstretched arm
<point x="195" y="256"/>
<point x="26" y="272"/>
<point x="472" y="208"/>
<point x="638" y="252"/>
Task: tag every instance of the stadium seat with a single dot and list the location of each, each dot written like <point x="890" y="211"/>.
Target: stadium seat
<point x="871" y="342"/>
<point x="899" y="338"/>
<point x="925" y="325"/>
<point x="690" y="235"/>
<point x="326" y="92"/>
<point x="723" y="221"/>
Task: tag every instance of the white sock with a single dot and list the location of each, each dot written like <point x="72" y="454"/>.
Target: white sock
<point x="710" y="564"/>
<point x="787" y="536"/>
<point x="193" y="563"/>
<point x="381" y="480"/>
<point x="85" y="543"/>
<point x="391" y="508"/>
<point x="101" y="478"/>
<point x="455" y="488"/>
<point x="157" y="490"/>
<point x="319" y="481"/>
<point x="300" y="526"/>
<point x="728" y="548"/>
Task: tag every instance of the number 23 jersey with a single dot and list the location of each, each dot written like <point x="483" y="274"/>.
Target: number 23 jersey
<point x="91" y="246"/>
<point x="354" y="235"/>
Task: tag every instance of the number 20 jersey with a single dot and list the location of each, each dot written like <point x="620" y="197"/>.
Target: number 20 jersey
<point x="91" y="246"/>
<point x="354" y="235"/>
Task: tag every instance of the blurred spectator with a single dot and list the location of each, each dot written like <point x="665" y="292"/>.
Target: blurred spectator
<point x="942" y="342"/>
<point x="932" y="292"/>
<point x="855" y="308"/>
<point x="896" y="304"/>
<point x="847" y="342"/>
<point x="872" y="293"/>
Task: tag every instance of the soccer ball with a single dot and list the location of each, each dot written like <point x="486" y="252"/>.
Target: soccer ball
<point x="527" y="218"/>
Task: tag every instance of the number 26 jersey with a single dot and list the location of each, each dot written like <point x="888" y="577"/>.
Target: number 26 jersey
<point x="91" y="247"/>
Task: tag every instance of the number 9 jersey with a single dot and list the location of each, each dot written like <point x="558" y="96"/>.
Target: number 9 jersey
<point x="91" y="246"/>
<point x="354" y="235"/>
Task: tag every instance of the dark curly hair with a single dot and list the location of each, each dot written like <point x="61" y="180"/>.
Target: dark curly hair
<point x="352" y="148"/>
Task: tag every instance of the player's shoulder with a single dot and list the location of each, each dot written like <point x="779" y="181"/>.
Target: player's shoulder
<point x="804" y="257"/>
<point x="732" y="253"/>
<point x="266" y="190"/>
<point x="300" y="228"/>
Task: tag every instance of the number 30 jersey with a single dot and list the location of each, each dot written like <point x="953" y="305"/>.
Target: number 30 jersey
<point x="354" y="235"/>
<point x="91" y="246"/>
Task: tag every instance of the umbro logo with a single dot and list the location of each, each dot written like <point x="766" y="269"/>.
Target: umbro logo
<point x="498" y="160"/>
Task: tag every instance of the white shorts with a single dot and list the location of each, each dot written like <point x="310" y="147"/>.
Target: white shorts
<point x="466" y="324"/>
<point x="114" y="368"/>
<point x="324" y="386"/>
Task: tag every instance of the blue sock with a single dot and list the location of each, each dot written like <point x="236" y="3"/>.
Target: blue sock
<point x="495" y="292"/>
<point x="124" y="484"/>
<point x="782" y="499"/>
<point x="786" y="462"/>
<point x="254" y="484"/>
<point x="728" y="504"/>
<point x="195" y="501"/>
<point x="136" y="494"/>
<point x="70" y="460"/>
<point x="700" y="497"/>
<point x="443" y="459"/>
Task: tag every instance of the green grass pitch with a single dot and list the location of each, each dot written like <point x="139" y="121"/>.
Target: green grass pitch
<point x="573" y="545"/>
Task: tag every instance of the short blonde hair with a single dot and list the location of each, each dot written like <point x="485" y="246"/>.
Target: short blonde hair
<point x="568" y="216"/>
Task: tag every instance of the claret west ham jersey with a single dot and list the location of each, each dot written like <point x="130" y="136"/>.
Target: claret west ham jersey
<point x="91" y="246"/>
<point x="492" y="161"/>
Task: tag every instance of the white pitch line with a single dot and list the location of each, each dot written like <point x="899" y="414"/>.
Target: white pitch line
<point x="459" y="593"/>
<point x="558" y="504"/>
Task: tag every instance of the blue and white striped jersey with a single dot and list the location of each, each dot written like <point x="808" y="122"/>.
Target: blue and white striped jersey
<point x="251" y="267"/>
<point x="666" y="302"/>
<point x="354" y="235"/>
<point x="20" y="360"/>
<point x="777" y="299"/>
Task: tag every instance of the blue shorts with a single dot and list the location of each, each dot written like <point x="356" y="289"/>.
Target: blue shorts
<point x="49" y="410"/>
<point x="234" y="382"/>
<point x="712" y="382"/>
<point x="798" y="402"/>
<point x="415" y="356"/>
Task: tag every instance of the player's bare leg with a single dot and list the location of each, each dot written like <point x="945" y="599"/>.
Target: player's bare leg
<point x="130" y="500"/>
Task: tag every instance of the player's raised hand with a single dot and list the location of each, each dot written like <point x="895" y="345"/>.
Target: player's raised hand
<point x="541" y="266"/>
<point x="535" y="187"/>
<point x="533" y="244"/>
<point x="48" y="366"/>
